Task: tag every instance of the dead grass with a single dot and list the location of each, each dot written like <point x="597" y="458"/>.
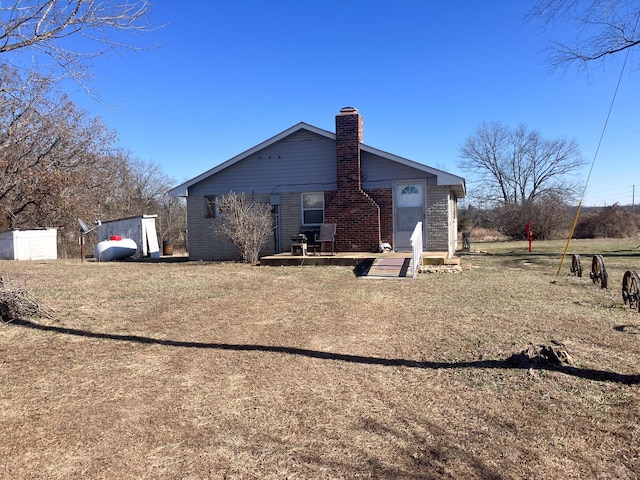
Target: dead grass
<point x="211" y="370"/>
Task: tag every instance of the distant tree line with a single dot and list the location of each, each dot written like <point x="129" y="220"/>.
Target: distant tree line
<point x="613" y="221"/>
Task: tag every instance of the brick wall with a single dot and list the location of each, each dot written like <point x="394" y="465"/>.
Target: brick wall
<point x="358" y="221"/>
<point x="384" y="198"/>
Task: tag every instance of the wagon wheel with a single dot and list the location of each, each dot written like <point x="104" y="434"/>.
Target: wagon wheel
<point x="598" y="271"/>
<point x="631" y="289"/>
<point x="576" y="266"/>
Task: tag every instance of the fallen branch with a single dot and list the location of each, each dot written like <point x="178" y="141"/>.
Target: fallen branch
<point x="20" y="304"/>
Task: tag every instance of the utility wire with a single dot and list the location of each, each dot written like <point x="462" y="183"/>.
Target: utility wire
<point x="606" y="122"/>
<point x="595" y="155"/>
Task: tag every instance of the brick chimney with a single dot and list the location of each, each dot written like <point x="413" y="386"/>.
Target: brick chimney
<point x="348" y="140"/>
<point x="356" y="214"/>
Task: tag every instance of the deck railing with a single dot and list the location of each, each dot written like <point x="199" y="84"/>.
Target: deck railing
<point x="416" y="249"/>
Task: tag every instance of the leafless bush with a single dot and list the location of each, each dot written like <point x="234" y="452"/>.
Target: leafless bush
<point x="608" y="222"/>
<point x="548" y="216"/>
<point x="246" y="223"/>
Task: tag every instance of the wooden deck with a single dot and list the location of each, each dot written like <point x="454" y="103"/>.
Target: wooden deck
<point x="391" y="265"/>
<point x="350" y="259"/>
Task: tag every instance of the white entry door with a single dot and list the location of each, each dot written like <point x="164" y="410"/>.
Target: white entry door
<point x="408" y="210"/>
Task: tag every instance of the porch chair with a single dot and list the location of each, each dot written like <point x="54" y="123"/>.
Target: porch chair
<point x="327" y="235"/>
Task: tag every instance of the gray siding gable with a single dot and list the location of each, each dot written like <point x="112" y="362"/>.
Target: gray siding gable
<point x="302" y="161"/>
<point x="379" y="166"/>
<point x="380" y="172"/>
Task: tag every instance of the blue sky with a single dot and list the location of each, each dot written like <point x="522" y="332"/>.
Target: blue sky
<point x="228" y="75"/>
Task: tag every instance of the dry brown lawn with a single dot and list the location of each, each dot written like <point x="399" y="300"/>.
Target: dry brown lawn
<point x="221" y="370"/>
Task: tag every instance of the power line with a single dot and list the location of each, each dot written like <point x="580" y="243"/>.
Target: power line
<point x="621" y="195"/>
<point x="624" y="189"/>
<point x="595" y="155"/>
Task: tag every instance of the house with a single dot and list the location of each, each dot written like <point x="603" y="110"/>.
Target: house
<point x="311" y="176"/>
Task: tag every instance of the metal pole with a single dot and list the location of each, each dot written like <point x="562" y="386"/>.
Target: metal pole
<point x="573" y="227"/>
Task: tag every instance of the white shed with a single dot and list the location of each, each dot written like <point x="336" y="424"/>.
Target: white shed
<point x="29" y="244"/>
<point x="141" y="229"/>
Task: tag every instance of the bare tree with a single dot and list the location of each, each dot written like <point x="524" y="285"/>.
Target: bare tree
<point x="603" y="28"/>
<point x="46" y="146"/>
<point x="148" y="188"/>
<point x="172" y="220"/>
<point x="247" y="224"/>
<point x="515" y="167"/>
<point x="146" y="184"/>
<point x="57" y="164"/>
<point x="519" y="175"/>
<point x="53" y="29"/>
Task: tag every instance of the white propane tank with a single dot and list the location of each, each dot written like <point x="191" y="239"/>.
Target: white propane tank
<point x="116" y="248"/>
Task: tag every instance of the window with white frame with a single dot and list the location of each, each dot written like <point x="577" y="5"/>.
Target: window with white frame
<point x="312" y="208"/>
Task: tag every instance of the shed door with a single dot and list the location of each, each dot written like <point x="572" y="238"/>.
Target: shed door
<point x="408" y="210"/>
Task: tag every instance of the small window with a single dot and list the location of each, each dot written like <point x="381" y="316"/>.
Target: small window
<point x="213" y="210"/>
<point x="312" y="208"/>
